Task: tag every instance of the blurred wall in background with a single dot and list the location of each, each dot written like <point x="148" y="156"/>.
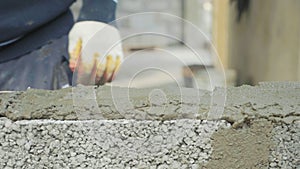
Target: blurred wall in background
<point x="198" y="12"/>
<point x="265" y="44"/>
<point x="131" y="25"/>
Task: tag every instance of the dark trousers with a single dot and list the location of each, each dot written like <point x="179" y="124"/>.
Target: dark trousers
<point x="39" y="59"/>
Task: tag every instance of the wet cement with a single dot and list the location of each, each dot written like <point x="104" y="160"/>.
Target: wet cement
<point x="272" y="101"/>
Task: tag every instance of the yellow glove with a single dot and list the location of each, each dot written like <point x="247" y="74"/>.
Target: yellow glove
<point x="95" y="52"/>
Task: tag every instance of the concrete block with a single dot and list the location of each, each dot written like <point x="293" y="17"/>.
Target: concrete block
<point x="259" y="128"/>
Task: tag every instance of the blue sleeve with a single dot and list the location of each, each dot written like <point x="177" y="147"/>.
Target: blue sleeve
<point x="98" y="10"/>
<point x="20" y="17"/>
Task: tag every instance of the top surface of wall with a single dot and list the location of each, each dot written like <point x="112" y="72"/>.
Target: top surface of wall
<point x="275" y="101"/>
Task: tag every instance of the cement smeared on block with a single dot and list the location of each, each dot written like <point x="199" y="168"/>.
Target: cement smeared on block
<point x="104" y="128"/>
<point x="244" y="148"/>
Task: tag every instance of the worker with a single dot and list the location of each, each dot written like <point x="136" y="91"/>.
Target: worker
<point x="34" y="40"/>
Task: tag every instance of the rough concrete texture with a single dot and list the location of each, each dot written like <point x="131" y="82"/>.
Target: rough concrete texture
<point x="144" y="129"/>
<point x="106" y="144"/>
<point x="286" y="150"/>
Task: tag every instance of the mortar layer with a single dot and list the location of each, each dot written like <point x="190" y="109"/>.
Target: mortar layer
<point x="274" y="101"/>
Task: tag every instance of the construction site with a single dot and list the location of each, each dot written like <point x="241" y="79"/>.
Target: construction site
<point x="173" y="84"/>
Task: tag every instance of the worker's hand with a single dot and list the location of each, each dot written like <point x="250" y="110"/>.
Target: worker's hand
<point x="95" y="52"/>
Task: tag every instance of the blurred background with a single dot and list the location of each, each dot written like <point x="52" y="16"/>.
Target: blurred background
<point x="236" y="42"/>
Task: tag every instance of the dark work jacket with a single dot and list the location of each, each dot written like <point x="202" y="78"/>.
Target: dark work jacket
<point x="33" y="23"/>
